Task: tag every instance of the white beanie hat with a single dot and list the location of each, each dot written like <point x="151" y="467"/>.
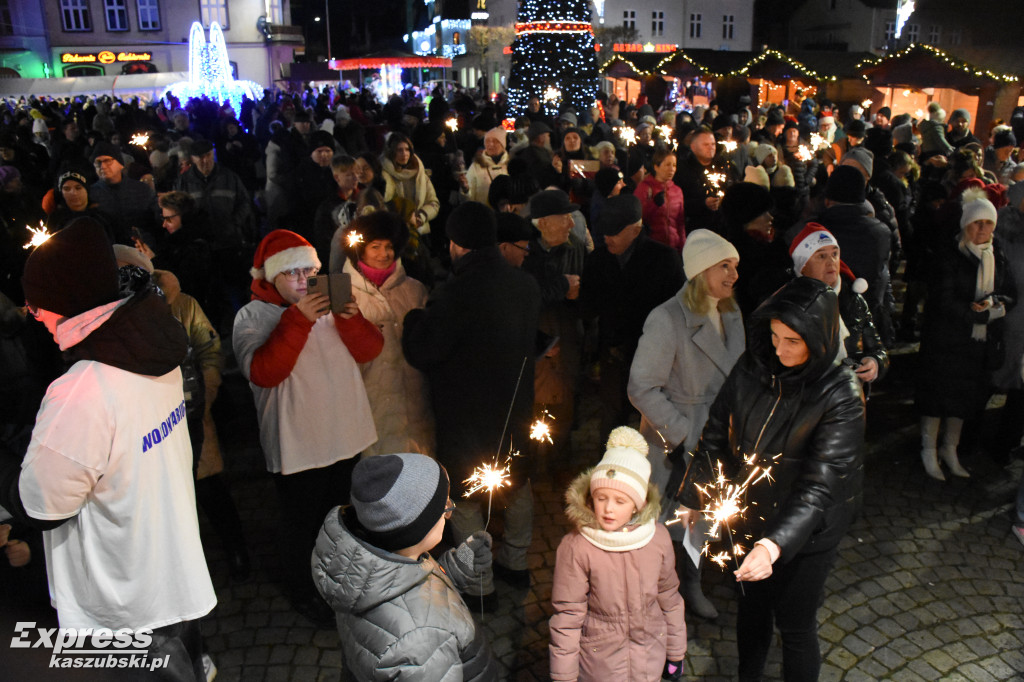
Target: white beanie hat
<point x="499" y="134"/>
<point x="704" y="248"/>
<point x="624" y="466"/>
<point x="976" y="207"/>
<point x="756" y="175"/>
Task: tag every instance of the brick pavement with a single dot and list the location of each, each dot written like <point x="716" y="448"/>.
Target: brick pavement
<point x="928" y="585"/>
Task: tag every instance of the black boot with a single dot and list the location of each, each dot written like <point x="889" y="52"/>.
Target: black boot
<point x="689" y="586"/>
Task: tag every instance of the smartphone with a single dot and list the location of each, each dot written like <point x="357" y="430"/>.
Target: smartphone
<point x="336" y="286"/>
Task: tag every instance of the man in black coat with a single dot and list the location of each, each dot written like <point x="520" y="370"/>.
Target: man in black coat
<point x="700" y="200"/>
<point x="624" y="278"/>
<point x="475" y="342"/>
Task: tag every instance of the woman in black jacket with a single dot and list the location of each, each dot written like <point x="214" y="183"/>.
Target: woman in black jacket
<point x="786" y="404"/>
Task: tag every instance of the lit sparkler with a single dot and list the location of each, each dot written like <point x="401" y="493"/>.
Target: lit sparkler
<point x="666" y="132"/>
<point x="804" y="153"/>
<point x="140" y="139"/>
<point x="818" y="141"/>
<point x="487" y="477"/>
<point x="866" y="104"/>
<point x="627" y="135"/>
<point x="354" y="238"/>
<point x="552" y="95"/>
<point x="39" y="235"/>
<point x="729" y="145"/>
<point x="919" y="114"/>
<point x="540" y="430"/>
<point x="715" y="180"/>
<point x="453" y="124"/>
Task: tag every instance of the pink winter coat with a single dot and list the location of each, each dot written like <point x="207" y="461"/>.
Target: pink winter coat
<point x="666" y="222"/>
<point x="618" y="614"/>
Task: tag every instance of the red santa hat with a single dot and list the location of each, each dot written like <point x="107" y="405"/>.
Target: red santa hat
<point x="813" y="237"/>
<point x="282" y="250"/>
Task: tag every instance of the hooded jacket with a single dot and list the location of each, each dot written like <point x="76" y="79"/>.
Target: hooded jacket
<point x="807" y="422"/>
<point x="618" y="614"/>
<point x="399" y="618"/>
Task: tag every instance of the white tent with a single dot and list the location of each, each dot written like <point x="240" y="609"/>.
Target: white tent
<point x="147" y="86"/>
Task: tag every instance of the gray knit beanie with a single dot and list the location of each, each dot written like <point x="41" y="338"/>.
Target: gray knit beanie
<point x="398" y="498"/>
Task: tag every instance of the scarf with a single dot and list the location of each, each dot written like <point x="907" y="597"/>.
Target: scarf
<point x="844" y="333"/>
<point x="626" y="538"/>
<point x="377" y="275"/>
<point x="986" y="281"/>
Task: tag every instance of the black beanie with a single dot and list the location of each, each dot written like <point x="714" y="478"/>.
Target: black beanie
<point x="846" y="185"/>
<point x="106" y="149"/>
<point x="744" y="202"/>
<point x="398" y="498"/>
<point x="73" y="271"/>
<point x="619" y="212"/>
<point x="321" y="138"/>
<point x="606" y="179"/>
<point x="472" y="225"/>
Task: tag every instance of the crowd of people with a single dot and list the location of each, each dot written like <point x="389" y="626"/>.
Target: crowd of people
<point x="407" y="285"/>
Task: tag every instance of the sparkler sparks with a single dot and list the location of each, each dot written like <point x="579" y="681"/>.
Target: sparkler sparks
<point x="866" y="104"/>
<point x="552" y="95"/>
<point x="140" y="139"/>
<point x="354" y="238"/>
<point x="804" y="153"/>
<point x="627" y="135"/>
<point x="488" y="477"/>
<point x="540" y="430"/>
<point x="39" y="235"/>
<point x="818" y="141"/>
<point x="715" y="180"/>
<point x="666" y="131"/>
<point x="453" y="124"/>
<point x="730" y="145"/>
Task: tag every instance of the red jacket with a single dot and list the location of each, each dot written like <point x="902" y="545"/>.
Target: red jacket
<point x="666" y="222"/>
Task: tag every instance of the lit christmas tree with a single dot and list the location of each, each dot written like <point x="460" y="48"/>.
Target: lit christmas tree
<point x="553" y="56"/>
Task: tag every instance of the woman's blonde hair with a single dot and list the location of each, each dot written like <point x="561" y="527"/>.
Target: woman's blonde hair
<point x="697" y="297"/>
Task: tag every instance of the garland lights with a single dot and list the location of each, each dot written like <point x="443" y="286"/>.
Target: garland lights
<point x="553" y="51"/>
<point x="950" y="61"/>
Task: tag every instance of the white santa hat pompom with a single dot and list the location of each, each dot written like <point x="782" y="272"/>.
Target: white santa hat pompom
<point x="860" y="285"/>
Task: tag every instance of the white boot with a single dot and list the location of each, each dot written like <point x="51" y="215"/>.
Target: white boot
<point x="931" y="463"/>
<point x="949" y="456"/>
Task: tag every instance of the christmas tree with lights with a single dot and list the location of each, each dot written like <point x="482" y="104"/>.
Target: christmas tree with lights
<point x="553" y="56"/>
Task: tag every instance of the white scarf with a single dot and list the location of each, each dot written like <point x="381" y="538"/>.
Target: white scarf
<point x="622" y="540"/>
<point x="986" y="282"/>
<point x="844" y="333"/>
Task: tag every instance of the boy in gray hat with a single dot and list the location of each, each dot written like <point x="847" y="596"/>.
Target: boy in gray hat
<point x="398" y="609"/>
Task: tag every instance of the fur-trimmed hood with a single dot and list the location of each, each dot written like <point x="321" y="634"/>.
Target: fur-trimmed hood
<point x="582" y="515"/>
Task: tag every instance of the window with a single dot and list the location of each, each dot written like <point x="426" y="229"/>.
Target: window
<point x="955" y="35"/>
<point x="116" y="14"/>
<point x="6" y="25"/>
<point x="84" y="70"/>
<point x="934" y="34"/>
<point x="149" y="15"/>
<point x="214" y="10"/>
<point x="913" y="32"/>
<point x="629" y="19"/>
<point x="657" y="23"/>
<point x="274" y="12"/>
<point x="727" y="25"/>
<point x="890" y="31"/>
<point x="695" y="20"/>
<point x="75" y="15"/>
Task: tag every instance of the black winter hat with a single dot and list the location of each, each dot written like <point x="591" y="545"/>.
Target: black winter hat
<point x="551" y="202"/>
<point x="513" y="228"/>
<point x="73" y="271"/>
<point x="200" y="147"/>
<point x="106" y="149"/>
<point x="885" y="111"/>
<point x="618" y="213"/>
<point x="398" y="498"/>
<point x="321" y="138"/>
<point x="743" y="202"/>
<point x="856" y="128"/>
<point x="606" y="179"/>
<point x="472" y="225"/>
<point x="775" y="117"/>
<point x="380" y="225"/>
<point x="1004" y="138"/>
<point x="846" y="185"/>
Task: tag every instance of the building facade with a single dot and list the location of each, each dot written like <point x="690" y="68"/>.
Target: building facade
<point x="693" y="24"/>
<point x="111" y="37"/>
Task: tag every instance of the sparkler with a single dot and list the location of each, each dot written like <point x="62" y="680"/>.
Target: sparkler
<point x="666" y="132"/>
<point x="354" y="238"/>
<point x="818" y="141"/>
<point x="139" y="139"/>
<point x="803" y="153"/>
<point x="729" y="145"/>
<point x="715" y="180"/>
<point x="919" y="114"/>
<point x="540" y="430"/>
<point x="39" y="235"/>
<point x="453" y="124"/>
<point x="552" y="95"/>
<point x="487" y="477"/>
<point x="627" y="135"/>
<point x="866" y="104"/>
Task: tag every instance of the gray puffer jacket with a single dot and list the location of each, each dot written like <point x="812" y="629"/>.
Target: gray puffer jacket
<point x="399" y="618"/>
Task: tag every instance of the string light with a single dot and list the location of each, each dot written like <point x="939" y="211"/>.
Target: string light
<point x="946" y="58"/>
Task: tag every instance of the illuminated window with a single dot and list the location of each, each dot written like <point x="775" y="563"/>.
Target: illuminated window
<point x="275" y="14"/>
<point x="75" y="15"/>
<point x="149" y="15"/>
<point x="913" y="30"/>
<point x="456" y="38"/>
<point x="728" y="21"/>
<point x="695" y="22"/>
<point x="934" y="34"/>
<point x="629" y="19"/>
<point x="955" y="36"/>
<point x="890" y="31"/>
<point x="657" y="23"/>
<point x="214" y="10"/>
<point x="116" y="15"/>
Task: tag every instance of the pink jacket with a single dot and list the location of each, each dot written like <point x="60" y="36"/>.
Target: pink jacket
<point x="666" y="222"/>
<point x="618" y="614"/>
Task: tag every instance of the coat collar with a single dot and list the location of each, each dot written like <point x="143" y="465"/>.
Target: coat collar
<point x="707" y="338"/>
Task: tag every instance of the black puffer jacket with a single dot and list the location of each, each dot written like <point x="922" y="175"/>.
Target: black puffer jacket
<point x="863" y="341"/>
<point x="811" y="417"/>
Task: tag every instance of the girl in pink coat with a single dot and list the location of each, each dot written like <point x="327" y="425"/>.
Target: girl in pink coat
<point x="618" y="612"/>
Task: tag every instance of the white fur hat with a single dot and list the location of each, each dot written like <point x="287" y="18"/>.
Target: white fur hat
<point x="976" y="207"/>
<point x="624" y="466"/>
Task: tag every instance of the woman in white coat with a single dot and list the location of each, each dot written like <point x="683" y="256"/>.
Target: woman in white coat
<point x="397" y="391"/>
<point x="490" y="162"/>
<point x="406" y="184"/>
<point x="689" y="345"/>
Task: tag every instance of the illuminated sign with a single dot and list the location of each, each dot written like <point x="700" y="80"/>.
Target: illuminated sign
<point x="649" y="47"/>
<point x="104" y="57"/>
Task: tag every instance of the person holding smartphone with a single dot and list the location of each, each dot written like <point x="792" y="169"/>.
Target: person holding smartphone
<point x="314" y="416"/>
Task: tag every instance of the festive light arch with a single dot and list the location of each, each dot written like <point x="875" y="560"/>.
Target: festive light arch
<point x="209" y="72"/>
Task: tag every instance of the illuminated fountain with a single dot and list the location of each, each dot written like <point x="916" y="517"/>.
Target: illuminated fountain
<point x="209" y="72"/>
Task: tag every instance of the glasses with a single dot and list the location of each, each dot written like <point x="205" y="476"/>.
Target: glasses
<point x="525" y="249"/>
<point x="295" y="273"/>
<point x="103" y="161"/>
<point x="169" y="218"/>
<point x="449" y="509"/>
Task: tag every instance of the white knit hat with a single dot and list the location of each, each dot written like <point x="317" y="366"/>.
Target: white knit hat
<point x="976" y="207"/>
<point x="757" y="175"/>
<point x="704" y="248"/>
<point x="499" y="134"/>
<point x="624" y="466"/>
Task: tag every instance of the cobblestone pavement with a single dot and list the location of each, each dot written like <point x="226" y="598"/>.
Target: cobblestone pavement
<point x="928" y="584"/>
